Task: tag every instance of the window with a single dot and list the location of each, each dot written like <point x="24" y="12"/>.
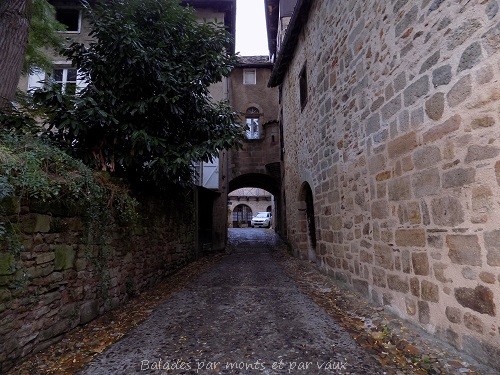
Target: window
<point x="69" y="17"/>
<point x="252" y="123"/>
<point x="249" y="77"/>
<point x="66" y="78"/>
<point x="303" y="87"/>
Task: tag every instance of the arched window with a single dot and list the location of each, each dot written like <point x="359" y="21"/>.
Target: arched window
<point x="252" y="122"/>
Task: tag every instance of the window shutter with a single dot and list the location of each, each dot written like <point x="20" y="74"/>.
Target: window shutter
<point x="36" y="79"/>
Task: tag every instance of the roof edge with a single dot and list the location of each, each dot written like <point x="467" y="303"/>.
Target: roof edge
<point x="297" y="22"/>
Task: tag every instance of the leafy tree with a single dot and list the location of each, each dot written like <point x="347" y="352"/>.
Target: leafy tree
<point x="43" y="34"/>
<point x="28" y="28"/>
<point x="146" y="112"/>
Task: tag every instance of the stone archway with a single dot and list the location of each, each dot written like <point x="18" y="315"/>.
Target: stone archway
<point x="265" y="182"/>
<point x="307" y="224"/>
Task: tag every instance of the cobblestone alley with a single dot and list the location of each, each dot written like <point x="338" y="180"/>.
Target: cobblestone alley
<point x="245" y="313"/>
<point x="255" y="310"/>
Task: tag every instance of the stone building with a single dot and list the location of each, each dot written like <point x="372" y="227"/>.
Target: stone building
<point x="391" y="125"/>
<point x="258" y="163"/>
<point x="244" y="204"/>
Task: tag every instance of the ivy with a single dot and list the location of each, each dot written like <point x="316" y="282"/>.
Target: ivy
<point x="35" y="171"/>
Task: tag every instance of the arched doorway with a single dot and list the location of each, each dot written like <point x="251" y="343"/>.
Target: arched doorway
<point x="308" y="222"/>
<point x="242" y="215"/>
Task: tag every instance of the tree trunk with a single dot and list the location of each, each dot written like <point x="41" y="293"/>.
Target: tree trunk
<point x="14" y="28"/>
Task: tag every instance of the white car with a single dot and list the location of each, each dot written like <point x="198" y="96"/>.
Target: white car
<point x="262" y="219"/>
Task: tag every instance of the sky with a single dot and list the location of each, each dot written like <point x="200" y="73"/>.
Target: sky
<point x="251" y="37"/>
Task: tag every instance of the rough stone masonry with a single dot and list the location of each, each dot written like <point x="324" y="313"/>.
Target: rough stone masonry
<point x="399" y="141"/>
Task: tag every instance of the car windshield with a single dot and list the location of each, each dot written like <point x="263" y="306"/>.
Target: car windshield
<point x="262" y="214"/>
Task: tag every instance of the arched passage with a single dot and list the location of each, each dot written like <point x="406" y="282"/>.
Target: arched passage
<point x="307" y="225"/>
<point x="265" y="182"/>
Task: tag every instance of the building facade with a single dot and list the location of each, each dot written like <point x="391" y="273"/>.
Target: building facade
<point x="245" y="203"/>
<point x="211" y="184"/>
<point x="257" y="164"/>
<point x="391" y="122"/>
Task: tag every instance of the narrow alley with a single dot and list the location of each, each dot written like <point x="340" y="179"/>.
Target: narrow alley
<point x="253" y="310"/>
<point x="242" y="316"/>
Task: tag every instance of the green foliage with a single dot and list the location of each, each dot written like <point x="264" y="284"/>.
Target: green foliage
<point x="146" y="113"/>
<point x="43" y="34"/>
<point x="33" y="170"/>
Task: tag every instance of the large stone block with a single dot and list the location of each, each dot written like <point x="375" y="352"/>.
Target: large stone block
<point x="464" y="249"/>
<point x="45" y="258"/>
<point x="64" y="257"/>
<point x="391" y="108"/>
<point x="473" y="323"/>
<point x="492" y="39"/>
<point x="420" y="262"/>
<point x="7" y="264"/>
<point x="439" y="131"/>
<point x="409" y="213"/>
<point x="477" y="153"/>
<point x="424" y="312"/>
<point x="411" y="237"/>
<point x="430" y="62"/>
<point x="380" y="209"/>
<point x="88" y="311"/>
<point x="434" y="106"/>
<point x="459" y="177"/>
<point x="430" y="291"/>
<point x="470" y="57"/>
<point x="480" y="299"/>
<point x="399" y="189"/>
<point x="416" y="90"/>
<point x="453" y="314"/>
<point x="398" y="283"/>
<point x="379" y="278"/>
<point x="459" y="35"/>
<point x="460" y="91"/>
<point x="492" y="243"/>
<point x="447" y="211"/>
<point x="426" y="156"/>
<point x="426" y="182"/>
<point x="402" y="145"/>
<point x="441" y="76"/>
<point x="383" y="256"/>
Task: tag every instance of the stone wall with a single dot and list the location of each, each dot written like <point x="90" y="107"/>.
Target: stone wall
<point x="399" y="141"/>
<point x="60" y="278"/>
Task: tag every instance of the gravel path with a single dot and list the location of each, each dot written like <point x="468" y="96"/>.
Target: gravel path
<point x="244" y="316"/>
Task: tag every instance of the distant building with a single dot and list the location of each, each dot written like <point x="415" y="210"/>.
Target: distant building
<point x="244" y="204"/>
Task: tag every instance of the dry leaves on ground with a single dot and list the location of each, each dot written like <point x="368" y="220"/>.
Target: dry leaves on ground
<point x="380" y="334"/>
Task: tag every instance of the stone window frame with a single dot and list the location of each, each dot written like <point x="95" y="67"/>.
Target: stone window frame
<point x="252" y="116"/>
<point x="250" y="73"/>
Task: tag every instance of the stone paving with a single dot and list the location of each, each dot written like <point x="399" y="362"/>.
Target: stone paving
<point x="244" y="316"/>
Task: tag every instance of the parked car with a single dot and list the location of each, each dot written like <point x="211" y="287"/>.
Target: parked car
<point x="262" y="219"/>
